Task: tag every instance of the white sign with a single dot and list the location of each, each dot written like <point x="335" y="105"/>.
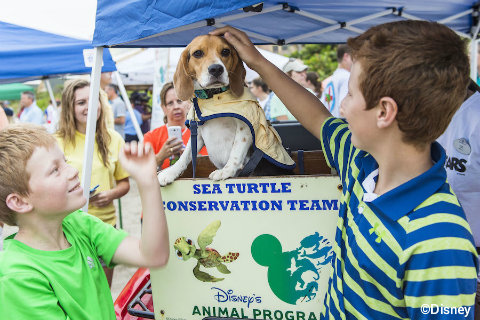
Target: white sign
<point x="257" y="248"/>
<point x="88" y="57"/>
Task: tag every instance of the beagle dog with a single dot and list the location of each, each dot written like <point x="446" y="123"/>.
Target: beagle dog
<point x="211" y="74"/>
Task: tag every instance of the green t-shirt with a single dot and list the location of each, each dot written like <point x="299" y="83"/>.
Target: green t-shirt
<point x="63" y="284"/>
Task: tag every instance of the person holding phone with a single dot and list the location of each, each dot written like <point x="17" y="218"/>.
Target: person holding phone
<point x="107" y="172"/>
<point x="169" y="140"/>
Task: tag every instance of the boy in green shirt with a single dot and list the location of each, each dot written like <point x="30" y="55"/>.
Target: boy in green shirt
<point x="50" y="269"/>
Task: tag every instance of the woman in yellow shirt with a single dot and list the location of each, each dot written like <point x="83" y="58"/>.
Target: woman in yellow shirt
<point x="106" y="169"/>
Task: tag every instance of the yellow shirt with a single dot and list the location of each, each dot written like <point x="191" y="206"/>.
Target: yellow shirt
<point x="104" y="177"/>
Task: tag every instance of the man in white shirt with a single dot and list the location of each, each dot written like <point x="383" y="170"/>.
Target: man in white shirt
<point x="337" y="88"/>
<point x="461" y="141"/>
<point x="31" y="112"/>
<point x="119" y="108"/>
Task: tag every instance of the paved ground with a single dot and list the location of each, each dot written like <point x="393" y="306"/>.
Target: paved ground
<point x="131" y="209"/>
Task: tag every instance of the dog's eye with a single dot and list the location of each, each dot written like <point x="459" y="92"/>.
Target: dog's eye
<point x="198" y="54"/>
<point x="225" y="52"/>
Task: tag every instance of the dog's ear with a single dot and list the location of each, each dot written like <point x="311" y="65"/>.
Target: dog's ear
<point x="237" y="76"/>
<point x="182" y="81"/>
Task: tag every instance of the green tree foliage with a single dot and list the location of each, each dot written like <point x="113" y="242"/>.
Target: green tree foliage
<point x="43" y="98"/>
<point x="321" y="58"/>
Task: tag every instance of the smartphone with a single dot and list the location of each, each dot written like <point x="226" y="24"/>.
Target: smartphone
<point x="93" y="191"/>
<point x="175" y="131"/>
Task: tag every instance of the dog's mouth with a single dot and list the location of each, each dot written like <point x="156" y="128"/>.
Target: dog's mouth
<point x="211" y="84"/>
<point x="215" y="83"/>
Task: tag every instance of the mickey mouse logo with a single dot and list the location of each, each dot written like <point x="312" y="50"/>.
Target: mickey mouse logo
<point x="293" y="275"/>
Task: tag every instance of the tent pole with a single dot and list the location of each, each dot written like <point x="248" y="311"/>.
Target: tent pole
<point x="473" y="59"/>
<point x="412" y="17"/>
<point x="50" y="93"/>
<point x="158" y="82"/>
<point x="91" y="122"/>
<point x="455" y="16"/>
<point x="337" y="26"/>
<point x="129" y="105"/>
<point x="252" y="34"/>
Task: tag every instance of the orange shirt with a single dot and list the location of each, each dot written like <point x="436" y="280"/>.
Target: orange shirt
<point x="159" y="136"/>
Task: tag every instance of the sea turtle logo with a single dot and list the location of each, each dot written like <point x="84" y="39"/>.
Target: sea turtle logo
<point x="206" y="257"/>
<point x="293" y="275"/>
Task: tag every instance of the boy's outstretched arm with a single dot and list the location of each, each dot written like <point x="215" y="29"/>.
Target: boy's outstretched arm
<point x="152" y="250"/>
<point x="304" y="106"/>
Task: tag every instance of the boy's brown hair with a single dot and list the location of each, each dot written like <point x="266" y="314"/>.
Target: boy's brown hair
<point x="17" y="143"/>
<point x="422" y="65"/>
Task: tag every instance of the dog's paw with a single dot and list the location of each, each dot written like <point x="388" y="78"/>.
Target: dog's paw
<point x="222" y="174"/>
<point x="166" y="177"/>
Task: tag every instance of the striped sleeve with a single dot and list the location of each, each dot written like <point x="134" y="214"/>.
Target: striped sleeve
<point x="336" y="144"/>
<point x="440" y="264"/>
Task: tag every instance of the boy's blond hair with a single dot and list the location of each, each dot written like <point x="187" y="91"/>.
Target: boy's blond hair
<point x="422" y="65"/>
<point x="17" y="143"/>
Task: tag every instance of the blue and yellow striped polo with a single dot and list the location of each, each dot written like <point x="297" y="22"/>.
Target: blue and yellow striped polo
<point x="410" y="247"/>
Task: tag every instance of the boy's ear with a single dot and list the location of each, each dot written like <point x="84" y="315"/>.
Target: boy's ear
<point x="18" y="203"/>
<point x="387" y="112"/>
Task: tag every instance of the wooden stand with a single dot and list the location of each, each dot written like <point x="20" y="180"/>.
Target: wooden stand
<point x="313" y="162"/>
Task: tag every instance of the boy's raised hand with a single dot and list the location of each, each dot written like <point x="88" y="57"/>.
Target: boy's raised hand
<point x="152" y="250"/>
<point x="139" y="160"/>
<point x="245" y="48"/>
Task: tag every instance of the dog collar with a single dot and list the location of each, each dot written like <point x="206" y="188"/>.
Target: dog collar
<point x="209" y="93"/>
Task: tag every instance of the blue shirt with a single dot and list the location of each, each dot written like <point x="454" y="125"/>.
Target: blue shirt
<point x="409" y="247"/>
<point x="129" y="128"/>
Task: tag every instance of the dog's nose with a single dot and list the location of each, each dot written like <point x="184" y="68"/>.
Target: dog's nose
<point x="215" y="70"/>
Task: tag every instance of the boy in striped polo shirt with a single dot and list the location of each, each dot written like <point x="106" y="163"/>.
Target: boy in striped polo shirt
<point x="404" y="249"/>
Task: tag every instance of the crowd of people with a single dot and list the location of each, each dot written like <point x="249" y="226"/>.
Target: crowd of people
<point x="398" y="181"/>
<point x="330" y="91"/>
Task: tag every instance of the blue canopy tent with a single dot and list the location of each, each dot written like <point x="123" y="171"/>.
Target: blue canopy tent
<point x="144" y="23"/>
<point x="28" y="54"/>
